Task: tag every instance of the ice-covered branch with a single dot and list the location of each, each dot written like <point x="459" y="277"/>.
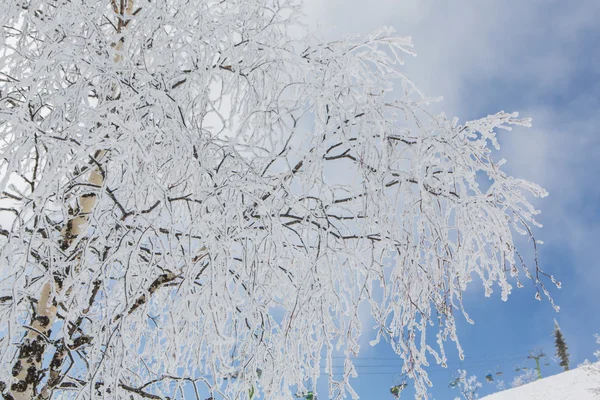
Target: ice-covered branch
<point x="201" y="190"/>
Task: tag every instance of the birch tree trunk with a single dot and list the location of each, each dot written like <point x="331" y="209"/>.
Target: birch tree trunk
<point x="27" y="371"/>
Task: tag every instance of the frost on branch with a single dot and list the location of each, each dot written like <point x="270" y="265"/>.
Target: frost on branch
<point x="467" y="386"/>
<point x="194" y="194"/>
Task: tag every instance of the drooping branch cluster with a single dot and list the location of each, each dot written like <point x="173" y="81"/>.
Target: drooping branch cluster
<point x="198" y="192"/>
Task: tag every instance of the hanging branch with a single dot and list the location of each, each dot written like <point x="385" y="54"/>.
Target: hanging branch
<point x="194" y="190"/>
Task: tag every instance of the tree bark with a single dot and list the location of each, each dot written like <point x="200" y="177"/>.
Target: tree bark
<point x="27" y="370"/>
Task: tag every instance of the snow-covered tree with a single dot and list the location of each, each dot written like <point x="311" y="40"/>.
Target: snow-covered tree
<point x="595" y="367"/>
<point x="198" y="190"/>
<point x="527" y="376"/>
<point x="467" y="386"/>
<point x="500" y="385"/>
<point x="561" y="347"/>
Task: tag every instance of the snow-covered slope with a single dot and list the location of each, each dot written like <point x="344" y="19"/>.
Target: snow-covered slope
<point x="582" y="383"/>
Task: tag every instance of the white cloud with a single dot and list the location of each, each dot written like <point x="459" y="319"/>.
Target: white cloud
<point x="471" y="39"/>
<point x="483" y="56"/>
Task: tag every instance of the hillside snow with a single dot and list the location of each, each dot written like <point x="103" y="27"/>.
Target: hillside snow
<point x="582" y="383"/>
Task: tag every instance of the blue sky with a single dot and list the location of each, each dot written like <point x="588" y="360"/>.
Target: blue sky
<point x="541" y="58"/>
